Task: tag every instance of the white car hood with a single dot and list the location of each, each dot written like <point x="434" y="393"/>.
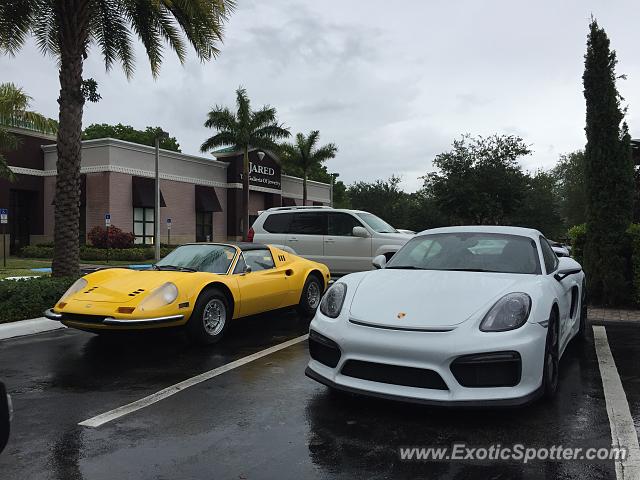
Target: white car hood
<point x="426" y="299"/>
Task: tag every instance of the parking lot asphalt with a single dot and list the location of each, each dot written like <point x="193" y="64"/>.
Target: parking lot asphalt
<point x="265" y="419"/>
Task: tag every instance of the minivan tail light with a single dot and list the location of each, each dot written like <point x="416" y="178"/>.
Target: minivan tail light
<point x="250" y="235"/>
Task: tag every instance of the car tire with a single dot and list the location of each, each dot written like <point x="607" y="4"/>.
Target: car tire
<point x="311" y="296"/>
<point x="582" y="330"/>
<point x="210" y="318"/>
<point x="551" y="358"/>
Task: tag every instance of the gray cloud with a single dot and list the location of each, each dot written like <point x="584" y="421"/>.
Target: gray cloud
<point x="391" y="85"/>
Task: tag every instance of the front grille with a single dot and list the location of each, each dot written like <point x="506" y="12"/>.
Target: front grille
<point x="394" y="374"/>
<point x="499" y="369"/>
<point x="323" y="349"/>
<point x="75" y="317"/>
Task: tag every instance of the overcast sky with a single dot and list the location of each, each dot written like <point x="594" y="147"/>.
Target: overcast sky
<point x="391" y="83"/>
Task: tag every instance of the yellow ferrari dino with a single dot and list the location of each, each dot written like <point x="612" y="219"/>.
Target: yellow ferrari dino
<point x="199" y="287"/>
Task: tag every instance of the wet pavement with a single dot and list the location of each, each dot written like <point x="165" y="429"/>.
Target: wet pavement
<point x="267" y="420"/>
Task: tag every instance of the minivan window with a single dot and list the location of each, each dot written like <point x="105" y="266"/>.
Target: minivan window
<point x="278" y="222"/>
<point x="309" y="223"/>
<point x="341" y="224"/>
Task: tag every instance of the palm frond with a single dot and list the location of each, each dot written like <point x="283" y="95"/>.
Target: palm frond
<point x="272" y="132"/>
<point x="109" y="29"/>
<point x="244" y="108"/>
<point x="265" y="116"/>
<point x="324" y="153"/>
<point x="15" y="24"/>
<point x="221" y="118"/>
<point x="222" y="139"/>
<point x="5" y="171"/>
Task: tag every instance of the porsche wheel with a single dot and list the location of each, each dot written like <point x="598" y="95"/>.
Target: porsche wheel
<point x="551" y="358"/>
<point x="210" y="318"/>
<point x="311" y="296"/>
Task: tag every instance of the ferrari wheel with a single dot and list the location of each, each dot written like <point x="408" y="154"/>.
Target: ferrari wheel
<point x="210" y="318"/>
<point x="551" y="358"/>
<point x="311" y="296"/>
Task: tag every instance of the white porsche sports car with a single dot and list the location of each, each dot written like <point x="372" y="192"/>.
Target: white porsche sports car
<point x="474" y="315"/>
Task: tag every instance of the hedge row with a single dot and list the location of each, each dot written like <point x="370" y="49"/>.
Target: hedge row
<point x="578" y="235"/>
<point x="20" y="299"/>
<point x="92" y="253"/>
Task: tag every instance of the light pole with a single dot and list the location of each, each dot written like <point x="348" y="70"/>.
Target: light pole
<point x="156" y="213"/>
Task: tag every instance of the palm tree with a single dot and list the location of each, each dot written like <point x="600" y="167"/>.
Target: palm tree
<point x="66" y="29"/>
<point x="243" y="130"/>
<point x="305" y="156"/>
<point x="14" y="112"/>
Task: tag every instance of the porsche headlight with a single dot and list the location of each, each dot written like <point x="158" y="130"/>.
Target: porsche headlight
<point x="78" y="285"/>
<point x="332" y="301"/>
<point x="161" y="296"/>
<point x="508" y="313"/>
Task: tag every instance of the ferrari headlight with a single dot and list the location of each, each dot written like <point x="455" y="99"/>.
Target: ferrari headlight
<point x="332" y="301"/>
<point x="508" y="313"/>
<point x="161" y="296"/>
<point x="78" y="285"/>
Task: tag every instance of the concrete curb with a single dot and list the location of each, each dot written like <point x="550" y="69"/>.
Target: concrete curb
<point x="28" y="327"/>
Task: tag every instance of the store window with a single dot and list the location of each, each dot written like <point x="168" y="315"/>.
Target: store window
<point x="204" y="227"/>
<point x="143" y="225"/>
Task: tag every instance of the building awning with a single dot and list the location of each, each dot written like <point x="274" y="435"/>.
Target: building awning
<point x="143" y="193"/>
<point x="207" y="200"/>
<point x="288" y="202"/>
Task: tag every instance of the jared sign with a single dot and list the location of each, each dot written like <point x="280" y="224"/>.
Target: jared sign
<point x="265" y="172"/>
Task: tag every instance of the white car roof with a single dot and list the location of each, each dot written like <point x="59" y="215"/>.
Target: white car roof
<point x="523" y="232"/>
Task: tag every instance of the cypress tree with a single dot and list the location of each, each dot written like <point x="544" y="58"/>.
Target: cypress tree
<point x="608" y="175"/>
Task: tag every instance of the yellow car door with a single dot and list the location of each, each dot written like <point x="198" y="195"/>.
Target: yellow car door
<point x="263" y="287"/>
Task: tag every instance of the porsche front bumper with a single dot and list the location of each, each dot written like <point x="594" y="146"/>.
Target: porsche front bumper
<point x="421" y="366"/>
<point x="97" y="322"/>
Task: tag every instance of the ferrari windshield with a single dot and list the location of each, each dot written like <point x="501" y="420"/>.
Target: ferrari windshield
<point x="469" y="251"/>
<point x="200" y="258"/>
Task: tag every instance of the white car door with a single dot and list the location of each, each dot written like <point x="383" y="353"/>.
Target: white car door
<point x="306" y="234"/>
<point x="563" y="292"/>
<point x="344" y="252"/>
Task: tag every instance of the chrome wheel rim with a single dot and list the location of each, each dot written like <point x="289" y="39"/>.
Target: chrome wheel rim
<point x="313" y="295"/>
<point x="214" y="317"/>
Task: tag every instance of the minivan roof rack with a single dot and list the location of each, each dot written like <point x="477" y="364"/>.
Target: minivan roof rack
<point x="301" y="207"/>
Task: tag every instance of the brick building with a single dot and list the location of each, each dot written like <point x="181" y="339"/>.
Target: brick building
<point x="201" y="195"/>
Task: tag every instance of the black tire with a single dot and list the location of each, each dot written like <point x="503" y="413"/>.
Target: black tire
<point x="551" y="358"/>
<point x="582" y="331"/>
<point x="210" y="318"/>
<point x="311" y="296"/>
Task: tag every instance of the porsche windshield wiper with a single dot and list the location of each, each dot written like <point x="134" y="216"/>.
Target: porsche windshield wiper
<point x="467" y="270"/>
<point x="174" y="267"/>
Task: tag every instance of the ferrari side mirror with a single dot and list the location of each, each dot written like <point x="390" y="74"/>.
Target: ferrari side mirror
<point x="247" y="269"/>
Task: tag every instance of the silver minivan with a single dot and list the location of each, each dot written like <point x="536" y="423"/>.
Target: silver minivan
<point x="344" y="240"/>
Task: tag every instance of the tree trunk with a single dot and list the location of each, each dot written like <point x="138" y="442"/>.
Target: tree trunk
<point x="304" y="188"/>
<point x="245" y="195"/>
<point x="73" y="28"/>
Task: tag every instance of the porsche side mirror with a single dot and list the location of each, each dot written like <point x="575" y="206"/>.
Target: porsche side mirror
<point x="566" y="266"/>
<point x="379" y="262"/>
<point x="562" y="274"/>
<point x="6" y="412"/>
<point x="360" y="232"/>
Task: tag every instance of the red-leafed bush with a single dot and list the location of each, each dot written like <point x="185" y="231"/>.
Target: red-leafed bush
<point x="117" y="238"/>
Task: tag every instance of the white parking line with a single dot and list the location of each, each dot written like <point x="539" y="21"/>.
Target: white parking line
<point x="623" y="432"/>
<point x="178" y="387"/>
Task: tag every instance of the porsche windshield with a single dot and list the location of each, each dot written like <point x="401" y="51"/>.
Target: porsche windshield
<point x="469" y="251"/>
<point x="200" y="258"/>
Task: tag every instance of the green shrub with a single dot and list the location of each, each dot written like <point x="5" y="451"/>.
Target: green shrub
<point x="633" y="233"/>
<point x="36" y="251"/>
<point x="578" y="236"/>
<point x="22" y="299"/>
